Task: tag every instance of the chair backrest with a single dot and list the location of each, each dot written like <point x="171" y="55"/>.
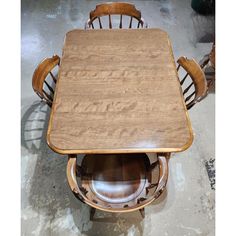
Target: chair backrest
<point x="198" y="80"/>
<point x="41" y="87"/>
<point x="115" y="8"/>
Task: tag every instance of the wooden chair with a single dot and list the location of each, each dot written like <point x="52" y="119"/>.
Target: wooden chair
<point x="115" y="8"/>
<point x="207" y="64"/>
<point x="198" y="81"/>
<point x="40" y="85"/>
<point x="118" y="182"/>
<point x="209" y="58"/>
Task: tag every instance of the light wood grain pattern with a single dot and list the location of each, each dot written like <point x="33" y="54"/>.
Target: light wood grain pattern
<point x="118" y="92"/>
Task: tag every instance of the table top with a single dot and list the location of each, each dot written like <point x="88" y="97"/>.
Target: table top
<point x="118" y="92"/>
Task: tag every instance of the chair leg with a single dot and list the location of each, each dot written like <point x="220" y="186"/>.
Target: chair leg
<point x="142" y="212"/>
<point x="92" y="213"/>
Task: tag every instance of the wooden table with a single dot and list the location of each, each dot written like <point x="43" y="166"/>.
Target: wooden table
<point x="118" y="92"/>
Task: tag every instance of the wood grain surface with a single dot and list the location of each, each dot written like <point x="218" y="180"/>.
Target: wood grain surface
<point x="115" y="8"/>
<point x="118" y="92"/>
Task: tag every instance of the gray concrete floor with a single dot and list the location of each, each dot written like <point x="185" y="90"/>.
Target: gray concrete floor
<point x="48" y="206"/>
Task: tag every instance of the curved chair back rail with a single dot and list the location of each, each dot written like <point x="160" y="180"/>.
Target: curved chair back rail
<point x="39" y="79"/>
<point x="135" y="204"/>
<point x="198" y="78"/>
<point x="115" y="8"/>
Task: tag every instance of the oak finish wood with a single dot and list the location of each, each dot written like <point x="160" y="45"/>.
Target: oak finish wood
<point x="199" y="82"/>
<point x="40" y="75"/>
<point x="115" y="8"/>
<point x="118" y="183"/>
<point x="118" y="92"/>
<point x="212" y="55"/>
<point x="207" y="63"/>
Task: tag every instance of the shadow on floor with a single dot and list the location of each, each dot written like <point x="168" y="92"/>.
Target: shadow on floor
<point x="204" y="27"/>
<point x="49" y="194"/>
<point x="48" y="191"/>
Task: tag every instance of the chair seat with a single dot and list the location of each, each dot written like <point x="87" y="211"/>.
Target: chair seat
<point x="118" y="182"/>
<point x="115" y="179"/>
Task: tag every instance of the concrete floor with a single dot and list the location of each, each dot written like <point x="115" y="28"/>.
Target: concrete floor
<point x="48" y="206"/>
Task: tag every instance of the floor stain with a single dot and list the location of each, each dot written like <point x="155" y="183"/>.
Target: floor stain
<point x="210" y="167"/>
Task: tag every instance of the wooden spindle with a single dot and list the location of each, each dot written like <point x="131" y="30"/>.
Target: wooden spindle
<point x="100" y="23"/>
<point x="130" y="23"/>
<point x="190" y="105"/>
<point x="138" y="24"/>
<point x="39" y="95"/>
<point x="120" y="21"/>
<point x="186" y="90"/>
<point x="48" y="102"/>
<point x="187" y="98"/>
<point x="53" y="77"/>
<point x="110" y="25"/>
<point x="178" y="67"/>
<point x="47" y="95"/>
<point x="182" y="81"/>
<point x="49" y="87"/>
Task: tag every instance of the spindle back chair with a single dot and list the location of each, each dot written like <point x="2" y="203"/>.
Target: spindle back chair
<point x="118" y="183"/>
<point x="40" y="85"/>
<point x="207" y="64"/>
<point x="210" y="57"/>
<point x="115" y="8"/>
<point x="198" y="80"/>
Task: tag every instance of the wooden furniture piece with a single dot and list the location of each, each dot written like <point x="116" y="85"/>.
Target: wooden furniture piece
<point x="207" y="64"/>
<point x="118" y="93"/>
<point x="209" y="58"/>
<point x="212" y="56"/>
<point x="40" y="85"/>
<point x="115" y="8"/>
<point x="118" y="183"/>
<point x="198" y="81"/>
